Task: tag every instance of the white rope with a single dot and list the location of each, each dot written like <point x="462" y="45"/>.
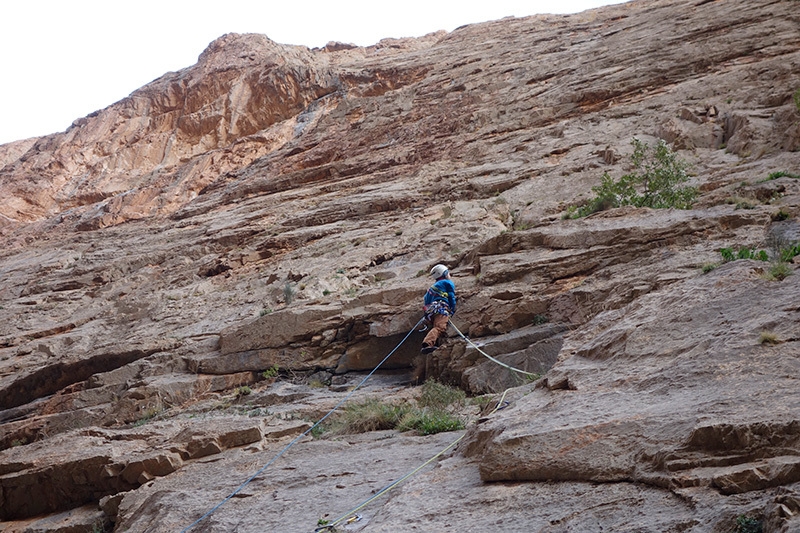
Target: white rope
<point x="531" y="374"/>
<point x="306" y="432"/>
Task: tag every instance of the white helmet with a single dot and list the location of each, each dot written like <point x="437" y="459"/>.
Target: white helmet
<point x="438" y="271"/>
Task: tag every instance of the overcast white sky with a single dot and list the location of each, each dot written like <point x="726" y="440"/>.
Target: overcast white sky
<point x="63" y="59"/>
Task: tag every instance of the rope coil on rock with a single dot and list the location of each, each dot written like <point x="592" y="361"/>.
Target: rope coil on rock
<point x="306" y="432"/>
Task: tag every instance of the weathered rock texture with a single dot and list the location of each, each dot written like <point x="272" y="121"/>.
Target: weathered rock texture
<point x="275" y="206"/>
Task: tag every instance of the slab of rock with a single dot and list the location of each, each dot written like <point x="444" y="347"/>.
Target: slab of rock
<point x="652" y="393"/>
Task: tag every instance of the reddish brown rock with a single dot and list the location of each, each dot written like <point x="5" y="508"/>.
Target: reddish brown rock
<point x="184" y="271"/>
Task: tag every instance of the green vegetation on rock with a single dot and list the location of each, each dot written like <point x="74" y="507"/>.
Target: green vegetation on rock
<point x="656" y="182"/>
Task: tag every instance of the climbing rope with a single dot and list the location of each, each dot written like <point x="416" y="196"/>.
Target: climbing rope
<point x="531" y="374"/>
<point x="352" y="516"/>
<point x="306" y="432"/>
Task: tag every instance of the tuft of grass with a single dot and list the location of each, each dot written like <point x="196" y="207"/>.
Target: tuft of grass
<point x="782" y="174"/>
<point x="430" y="422"/>
<point x="439" y="396"/>
<point x="796" y="97"/>
<point x="780" y="215"/>
<point x="708" y="267"/>
<point x="768" y="337"/>
<point x="779" y="271"/>
<point x="433" y="413"/>
<point x="371" y="414"/>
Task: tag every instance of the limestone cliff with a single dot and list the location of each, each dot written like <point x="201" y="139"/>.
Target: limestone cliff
<point x="274" y="206"/>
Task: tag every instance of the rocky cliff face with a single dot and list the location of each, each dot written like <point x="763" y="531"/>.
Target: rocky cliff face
<point x="275" y="206"/>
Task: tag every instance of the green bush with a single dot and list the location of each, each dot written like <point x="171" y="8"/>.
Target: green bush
<point x="656" y="182"/>
<point x="796" y="97"/>
<point x="728" y="254"/>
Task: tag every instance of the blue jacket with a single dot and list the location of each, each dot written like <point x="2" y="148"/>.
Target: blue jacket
<point x="442" y="291"/>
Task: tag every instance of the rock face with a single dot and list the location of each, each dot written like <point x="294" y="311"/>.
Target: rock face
<point x="192" y="276"/>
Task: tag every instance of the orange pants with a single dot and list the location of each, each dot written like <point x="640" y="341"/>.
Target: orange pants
<point x="439" y="328"/>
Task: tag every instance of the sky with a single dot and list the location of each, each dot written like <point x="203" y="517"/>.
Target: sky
<point x="63" y="59"/>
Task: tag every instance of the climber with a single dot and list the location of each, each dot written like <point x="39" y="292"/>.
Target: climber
<point x="440" y="305"/>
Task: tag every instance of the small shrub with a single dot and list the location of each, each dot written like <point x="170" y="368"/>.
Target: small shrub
<point x="768" y="337"/>
<point x="656" y="182"/>
<point x="796" y="97"/>
<point x="271" y="372"/>
<point x="780" y="216"/>
<point x="747" y="253"/>
<point x="728" y="254"/>
<point x="242" y="391"/>
<point x="538" y="320"/>
<point x="748" y="524"/>
<point x="788" y="253"/>
<point x="264" y="312"/>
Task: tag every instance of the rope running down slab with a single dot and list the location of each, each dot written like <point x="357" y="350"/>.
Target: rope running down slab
<point x="309" y="430"/>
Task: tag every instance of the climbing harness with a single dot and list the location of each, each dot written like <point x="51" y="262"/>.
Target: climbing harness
<point x="306" y="432"/>
<point x="352" y="516"/>
<point x="531" y="374"/>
